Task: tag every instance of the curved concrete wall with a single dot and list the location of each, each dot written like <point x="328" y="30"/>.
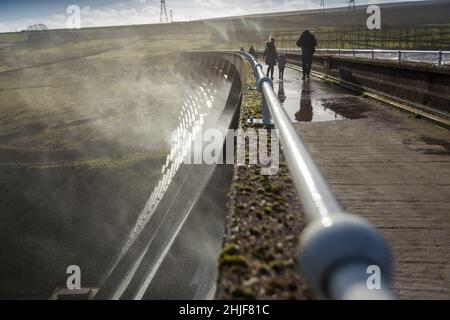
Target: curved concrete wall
<point x="173" y="251"/>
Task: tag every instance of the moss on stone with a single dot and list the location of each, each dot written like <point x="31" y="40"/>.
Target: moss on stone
<point x="228" y="260"/>
<point x="230" y="249"/>
<point x="277" y="266"/>
<point x="241" y="292"/>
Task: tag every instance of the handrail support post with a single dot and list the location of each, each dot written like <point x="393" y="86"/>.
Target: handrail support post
<point x="266" y="119"/>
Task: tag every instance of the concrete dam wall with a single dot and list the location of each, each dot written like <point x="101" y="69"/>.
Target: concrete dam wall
<point x="172" y="252"/>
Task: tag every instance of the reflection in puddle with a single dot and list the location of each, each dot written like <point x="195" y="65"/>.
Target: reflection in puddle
<point x="305" y="114"/>
<point x="281" y="94"/>
<point x="310" y="108"/>
<point x="316" y="101"/>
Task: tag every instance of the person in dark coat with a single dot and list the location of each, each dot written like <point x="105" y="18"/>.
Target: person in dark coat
<point x="271" y="56"/>
<point x="307" y="42"/>
<point x="252" y="51"/>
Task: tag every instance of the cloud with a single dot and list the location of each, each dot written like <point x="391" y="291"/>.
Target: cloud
<point x="5" y="27"/>
<point x="16" y="25"/>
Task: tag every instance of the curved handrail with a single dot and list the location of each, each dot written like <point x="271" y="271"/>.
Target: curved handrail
<point x="337" y="250"/>
<point x="399" y="52"/>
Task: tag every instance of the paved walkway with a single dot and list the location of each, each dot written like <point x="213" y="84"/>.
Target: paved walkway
<point x="387" y="167"/>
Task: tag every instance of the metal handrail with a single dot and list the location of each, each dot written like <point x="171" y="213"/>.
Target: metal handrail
<point x="336" y="248"/>
<point x="400" y="52"/>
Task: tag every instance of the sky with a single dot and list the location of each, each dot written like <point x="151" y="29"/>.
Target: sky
<point x="16" y="15"/>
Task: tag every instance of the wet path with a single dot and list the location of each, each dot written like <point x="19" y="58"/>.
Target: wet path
<point x="387" y="167"/>
<point x="313" y="101"/>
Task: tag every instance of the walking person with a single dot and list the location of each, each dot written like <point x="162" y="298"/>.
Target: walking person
<point x="281" y="64"/>
<point x="252" y="51"/>
<point x="308" y="43"/>
<point x="271" y="56"/>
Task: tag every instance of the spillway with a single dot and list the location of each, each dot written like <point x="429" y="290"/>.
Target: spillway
<point x="172" y="251"/>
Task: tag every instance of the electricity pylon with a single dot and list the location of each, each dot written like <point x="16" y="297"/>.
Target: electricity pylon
<point x="163" y="12"/>
<point x="322" y="4"/>
<point x="351" y="4"/>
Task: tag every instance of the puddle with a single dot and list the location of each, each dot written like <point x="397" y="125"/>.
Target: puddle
<point x="313" y="101"/>
<point x="438" y="147"/>
<point x="348" y="107"/>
